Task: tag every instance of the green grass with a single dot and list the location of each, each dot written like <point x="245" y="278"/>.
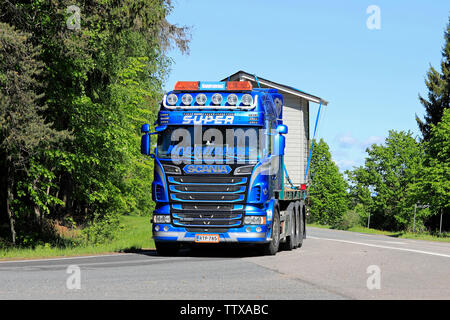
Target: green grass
<point x="401" y="234"/>
<point x="135" y="234"/>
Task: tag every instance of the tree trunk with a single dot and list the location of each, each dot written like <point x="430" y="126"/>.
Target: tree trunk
<point x="9" y="200"/>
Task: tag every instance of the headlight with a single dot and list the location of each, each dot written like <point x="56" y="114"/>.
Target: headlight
<point x="161" y="218"/>
<point x="171" y="169"/>
<point x="172" y="99"/>
<point x="200" y="99"/>
<point x="217" y="98"/>
<point x="255" y="220"/>
<point x="244" y="170"/>
<point x="247" y="99"/>
<point x="187" y="99"/>
<point x="232" y="99"/>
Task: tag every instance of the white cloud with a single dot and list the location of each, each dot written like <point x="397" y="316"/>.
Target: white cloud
<point x="372" y="140"/>
<point x="345" y="164"/>
<point x="346" y="140"/>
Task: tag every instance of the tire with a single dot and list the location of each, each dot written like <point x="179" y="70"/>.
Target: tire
<point x="301" y="221"/>
<point x="271" y="248"/>
<point x="297" y="223"/>
<point x="167" y="248"/>
<point x="291" y="238"/>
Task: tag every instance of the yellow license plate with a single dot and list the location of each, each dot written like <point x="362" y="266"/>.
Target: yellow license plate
<point x="207" y="238"/>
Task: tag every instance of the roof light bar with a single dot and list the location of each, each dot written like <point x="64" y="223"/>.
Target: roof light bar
<point x="239" y="85"/>
<point x="186" y="85"/>
<point x="183" y="107"/>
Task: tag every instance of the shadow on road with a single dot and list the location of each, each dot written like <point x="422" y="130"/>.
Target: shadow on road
<point x="205" y="251"/>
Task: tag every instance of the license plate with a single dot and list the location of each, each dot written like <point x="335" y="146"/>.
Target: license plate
<point x="207" y="238"/>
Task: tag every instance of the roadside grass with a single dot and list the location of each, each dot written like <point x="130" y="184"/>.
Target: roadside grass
<point x="445" y="237"/>
<point x="135" y="233"/>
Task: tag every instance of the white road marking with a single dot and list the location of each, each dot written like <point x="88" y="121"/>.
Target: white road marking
<point x="93" y="264"/>
<point x="66" y="258"/>
<point x="390" y="242"/>
<point x="384" y="247"/>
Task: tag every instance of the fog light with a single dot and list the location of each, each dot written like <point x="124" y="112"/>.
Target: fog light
<point x="247" y="99"/>
<point x="172" y="99"/>
<point x="217" y="98"/>
<point x="187" y="99"/>
<point x="258" y="229"/>
<point x="232" y="99"/>
<point x="248" y="229"/>
<point x="157" y="228"/>
<point x="201" y="99"/>
<point x="166" y="228"/>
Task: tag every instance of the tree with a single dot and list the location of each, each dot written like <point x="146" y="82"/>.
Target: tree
<point x="24" y="133"/>
<point x="438" y="85"/>
<point x="384" y="183"/>
<point x="433" y="185"/>
<point x="99" y="83"/>
<point x="328" y="188"/>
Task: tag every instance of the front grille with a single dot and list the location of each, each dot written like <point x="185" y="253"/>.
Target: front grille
<point x="207" y="179"/>
<point x="207" y="197"/>
<point x="197" y="230"/>
<point x="208" y="188"/>
<point x="207" y="207"/>
<point x="207" y="200"/>
<point x="209" y="218"/>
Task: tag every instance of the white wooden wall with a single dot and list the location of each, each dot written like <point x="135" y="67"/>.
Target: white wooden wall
<point x="296" y="117"/>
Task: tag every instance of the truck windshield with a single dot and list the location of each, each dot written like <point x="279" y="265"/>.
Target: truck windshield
<point x="218" y="144"/>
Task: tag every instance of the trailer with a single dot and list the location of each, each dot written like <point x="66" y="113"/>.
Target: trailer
<point x="230" y="164"/>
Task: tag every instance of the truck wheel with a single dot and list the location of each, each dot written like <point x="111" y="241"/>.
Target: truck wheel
<point x="167" y="248"/>
<point x="301" y="234"/>
<point x="291" y="238"/>
<point x="272" y="247"/>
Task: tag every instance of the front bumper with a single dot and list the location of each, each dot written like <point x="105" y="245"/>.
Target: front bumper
<point x="244" y="234"/>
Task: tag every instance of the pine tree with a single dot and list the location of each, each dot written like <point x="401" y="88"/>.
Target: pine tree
<point x="438" y="85"/>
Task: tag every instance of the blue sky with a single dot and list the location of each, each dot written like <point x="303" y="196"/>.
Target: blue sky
<point x="371" y="78"/>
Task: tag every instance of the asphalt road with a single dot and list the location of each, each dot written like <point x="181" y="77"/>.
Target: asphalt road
<point x="330" y="265"/>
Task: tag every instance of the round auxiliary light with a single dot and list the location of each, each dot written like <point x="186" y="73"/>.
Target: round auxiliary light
<point x="247" y="99"/>
<point x="172" y="99"/>
<point x="217" y="98"/>
<point x="187" y="99"/>
<point x="200" y="99"/>
<point x="232" y="99"/>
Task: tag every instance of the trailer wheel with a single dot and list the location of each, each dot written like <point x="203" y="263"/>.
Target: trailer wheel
<point x="291" y="238"/>
<point x="272" y="247"/>
<point x="297" y="223"/>
<point x="167" y="248"/>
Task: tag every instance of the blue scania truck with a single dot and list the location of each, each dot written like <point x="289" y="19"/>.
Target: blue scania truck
<point x="220" y="174"/>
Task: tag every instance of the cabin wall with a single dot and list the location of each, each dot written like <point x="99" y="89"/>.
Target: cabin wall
<point x="296" y="117"/>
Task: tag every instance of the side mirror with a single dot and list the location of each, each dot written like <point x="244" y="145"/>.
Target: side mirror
<point x="280" y="143"/>
<point x="282" y="129"/>
<point x="145" y="128"/>
<point x="145" y="144"/>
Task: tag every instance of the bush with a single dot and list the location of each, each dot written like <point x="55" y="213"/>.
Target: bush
<point x="350" y="219"/>
<point x="101" y="229"/>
